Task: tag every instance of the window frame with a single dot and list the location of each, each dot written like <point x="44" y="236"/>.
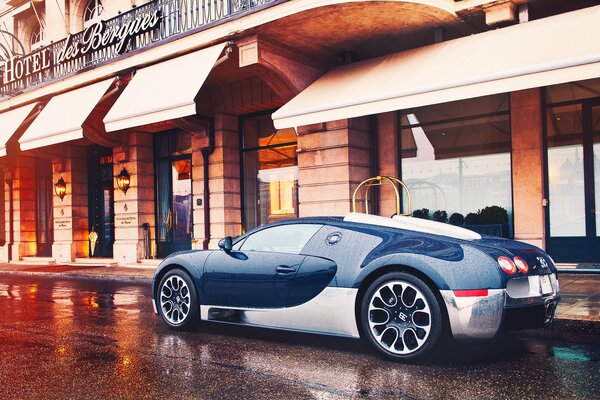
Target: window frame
<point x="239" y="245"/>
<point x="508" y="112"/>
<point x="244" y="150"/>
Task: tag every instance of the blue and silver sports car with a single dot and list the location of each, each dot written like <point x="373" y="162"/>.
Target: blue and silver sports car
<point x="399" y="283"/>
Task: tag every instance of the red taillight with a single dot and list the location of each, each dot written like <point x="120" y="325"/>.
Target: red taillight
<point x="471" y="293"/>
<point x="507" y="265"/>
<point x="521" y="265"/>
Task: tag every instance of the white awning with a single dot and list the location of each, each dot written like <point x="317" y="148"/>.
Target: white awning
<point x="163" y="91"/>
<point x="62" y="118"/>
<point x="548" y="51"/>
<point x="10" y="122"/>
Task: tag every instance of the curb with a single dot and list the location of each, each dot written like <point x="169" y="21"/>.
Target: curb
<point x="93" y="277"/>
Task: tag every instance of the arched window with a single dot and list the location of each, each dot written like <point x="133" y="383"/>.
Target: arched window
<point x="93" y="10"/>
<point x="37" y="36"/>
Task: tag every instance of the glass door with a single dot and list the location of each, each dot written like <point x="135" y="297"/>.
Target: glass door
<point x="43" y="203"/>
<point x="173" y="192"/>
<point x="573" y="133"/>
<point x="101" y="212"/>
<point x="174" y="206"/>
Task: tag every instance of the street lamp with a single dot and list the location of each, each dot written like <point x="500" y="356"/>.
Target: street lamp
<point x="123" y="180"/>
<point x="60" y="188"/>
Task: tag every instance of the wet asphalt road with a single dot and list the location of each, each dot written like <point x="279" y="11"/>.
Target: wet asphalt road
<point x="100" y="340"/>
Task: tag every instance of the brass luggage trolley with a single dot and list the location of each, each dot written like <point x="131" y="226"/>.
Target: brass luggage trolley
<point x="378" y="181"/>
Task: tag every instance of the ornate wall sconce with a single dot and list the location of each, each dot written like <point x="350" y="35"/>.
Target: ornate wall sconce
<point x="60" y="188"/>
<point x="123" y="180"/>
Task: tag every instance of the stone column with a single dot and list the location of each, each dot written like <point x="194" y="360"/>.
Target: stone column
<point x="388" y="149"/>
<point x="5" y="220"/>
<point x="136" y="207"/>
<point x="24" y="218"/>
<point x="224" y="183"/>
<point x="71" y="213"/>
<point x="333" y="158"/>
<point x="527" y="166"/>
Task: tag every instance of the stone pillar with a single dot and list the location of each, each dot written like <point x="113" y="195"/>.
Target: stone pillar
<point x="136" y="207"/>
<point x="5" y="220"/>
<point x="527" y="166"/>
<point x="71" y="213"/>
<point x="224" y="184"/>
<point x="333" y="159"/>
<point x="198" y="143"/>
<point x="388" y="149"/>
<point x="24" y="217"/>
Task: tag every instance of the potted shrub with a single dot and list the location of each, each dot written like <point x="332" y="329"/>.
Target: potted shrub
<point x="440" y="216"/>
<point x="457" y="219"/>
<point x="422" y="213"/>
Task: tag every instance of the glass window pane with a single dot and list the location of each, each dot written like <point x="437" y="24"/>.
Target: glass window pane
<point x="260" y="132"/>
<point x="460" y="166"/>
<point x="164" y="217"/>
<point x="282" y="239"/>
<point x="270" y="172"/>
<point x="596" y="138"/>
<point x="567" y="201"/>
<point x="181" y="143"/>
<point x="565" y="170"/>
<point x="182" y="200"/>
<point x="573" y="91"/>
<point x="564" y="125"/>
<point x="597" y="183"/>
<point x="461" y="109"/>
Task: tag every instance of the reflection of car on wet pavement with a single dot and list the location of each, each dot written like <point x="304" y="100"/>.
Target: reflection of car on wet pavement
<point x="398" y="282"/>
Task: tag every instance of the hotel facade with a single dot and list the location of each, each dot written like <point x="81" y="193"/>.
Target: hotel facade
<point x="132" y="130"/>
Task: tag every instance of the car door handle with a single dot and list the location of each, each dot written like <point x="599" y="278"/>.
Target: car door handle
<point x="284" y="269"/>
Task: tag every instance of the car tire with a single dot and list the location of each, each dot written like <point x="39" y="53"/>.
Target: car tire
<point x="401" y="317"/>
<point x="177" y="301"/>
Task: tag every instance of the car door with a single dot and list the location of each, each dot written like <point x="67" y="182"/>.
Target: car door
<point x="259" y="272"/>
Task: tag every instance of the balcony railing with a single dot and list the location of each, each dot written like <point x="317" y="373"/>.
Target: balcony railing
<point x="177" y="17"/>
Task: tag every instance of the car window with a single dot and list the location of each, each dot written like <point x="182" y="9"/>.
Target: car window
<point x="238" y="245"/>
<point x="282" y="239"/>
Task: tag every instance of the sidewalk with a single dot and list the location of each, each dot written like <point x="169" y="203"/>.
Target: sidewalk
<point x="123" y="274"/>
<point x="580" y="293"/>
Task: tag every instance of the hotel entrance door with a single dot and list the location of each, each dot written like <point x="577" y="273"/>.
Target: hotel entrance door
<point x="173" y="193"/>
<point x="101" y="211"/>
<point x="573" y="132"/>
<point x="43" y="205"/>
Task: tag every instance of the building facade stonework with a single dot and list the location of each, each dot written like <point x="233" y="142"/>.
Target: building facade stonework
<point x="130" y="131"/>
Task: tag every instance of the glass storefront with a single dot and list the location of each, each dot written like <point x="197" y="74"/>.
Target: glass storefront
<point x="456" y="156"/>
<point x="572" y="128"/>
<point x="565" y="170"/>
<point x="270" y="172"/>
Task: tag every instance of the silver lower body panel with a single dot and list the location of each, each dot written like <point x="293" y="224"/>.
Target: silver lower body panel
<point x="481" y="317"/>
<point x="331" y="312"/>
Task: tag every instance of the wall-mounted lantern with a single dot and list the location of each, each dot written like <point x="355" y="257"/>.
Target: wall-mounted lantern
<point x="123" y="180"/>
<point x="60" y="188"/>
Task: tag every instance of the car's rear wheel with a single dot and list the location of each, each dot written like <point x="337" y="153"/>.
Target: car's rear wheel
<point x="177" y="300"/>
<point x="401" y="317"/>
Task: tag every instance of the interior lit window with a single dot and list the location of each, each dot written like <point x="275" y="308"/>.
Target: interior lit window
<point x="270" y="172"/>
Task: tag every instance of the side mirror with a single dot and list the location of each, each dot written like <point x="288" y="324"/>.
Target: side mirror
<point x="226" y="244"/>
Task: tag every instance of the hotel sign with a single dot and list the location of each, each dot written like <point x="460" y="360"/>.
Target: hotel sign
<point x="101" y="42"/>
<point x="96" y="37"/>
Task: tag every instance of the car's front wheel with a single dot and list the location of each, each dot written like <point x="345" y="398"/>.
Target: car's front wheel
<point x="401" y="317"/>
<point x="177" y="300"/>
